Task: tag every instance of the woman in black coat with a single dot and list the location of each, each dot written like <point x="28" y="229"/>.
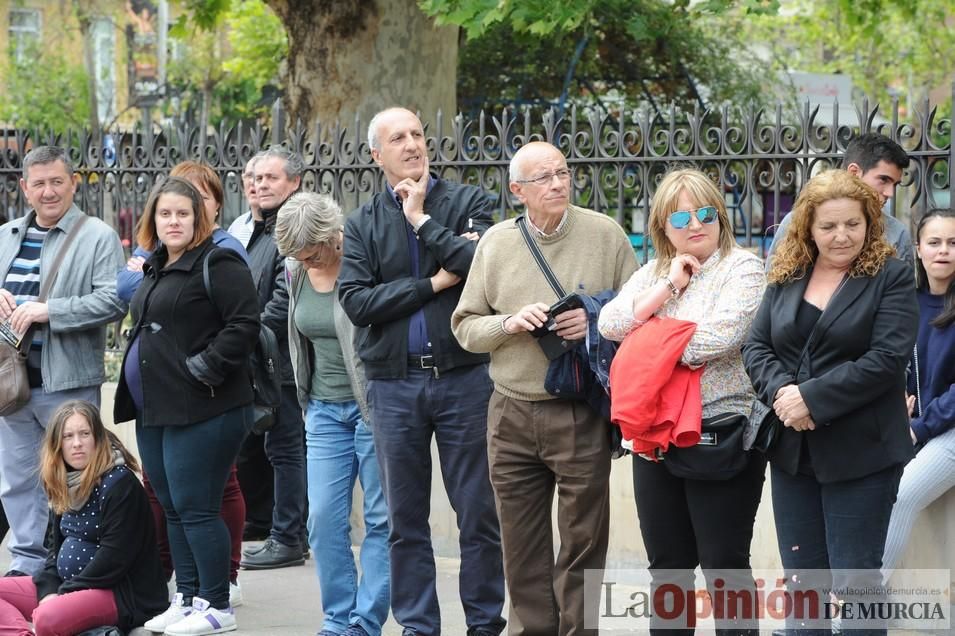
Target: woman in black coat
<point x="828" y="351"/>
<point x="185" y="379"/>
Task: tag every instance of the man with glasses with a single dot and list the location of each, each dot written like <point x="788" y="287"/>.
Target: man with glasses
<point x="256" y="477"/>
<point x="244" y="224"/>
<point x="537" y="443"/>
<point x="405" y="254"/>
<point x="278" y="175"/>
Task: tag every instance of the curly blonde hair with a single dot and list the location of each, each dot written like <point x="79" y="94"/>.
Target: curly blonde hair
<point x="665" y="201"/>
<point x="797" y="252"/>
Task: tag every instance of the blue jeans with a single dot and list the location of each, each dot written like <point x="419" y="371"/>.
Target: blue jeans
<point x="339" y="449"/>
<point x="837" y="526"/>
<point x="405" y="415"/>
<point x="188" y="467"/>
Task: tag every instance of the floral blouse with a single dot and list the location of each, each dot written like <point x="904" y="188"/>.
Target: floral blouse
<point x="722" y="300"/>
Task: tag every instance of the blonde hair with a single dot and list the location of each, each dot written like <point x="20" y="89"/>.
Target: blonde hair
<point x="797" y="251"/>
<point x="53" y="467"/>
<point x="665" y="201"/>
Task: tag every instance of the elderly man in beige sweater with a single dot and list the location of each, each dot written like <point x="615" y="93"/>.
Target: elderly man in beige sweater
<point x="535" y="441"/>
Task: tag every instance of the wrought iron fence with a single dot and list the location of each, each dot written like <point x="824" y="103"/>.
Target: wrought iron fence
<point x="760" y="157"/>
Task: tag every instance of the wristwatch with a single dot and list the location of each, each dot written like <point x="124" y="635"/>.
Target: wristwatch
<point x="417" y="226"/>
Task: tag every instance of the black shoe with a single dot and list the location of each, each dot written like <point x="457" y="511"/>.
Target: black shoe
<point x="15" y="573"/>
<point x="247" y="552"/>
<point x="273" y="555"/>
<point x="306" y="553"/>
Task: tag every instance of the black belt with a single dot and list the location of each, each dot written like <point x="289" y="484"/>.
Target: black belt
<point x="421" y="362"/>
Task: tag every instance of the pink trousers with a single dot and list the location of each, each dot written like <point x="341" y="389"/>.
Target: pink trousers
<point x="63" y="615"/>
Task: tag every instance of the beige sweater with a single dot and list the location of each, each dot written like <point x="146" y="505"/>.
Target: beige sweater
<point x="589" y="254"/>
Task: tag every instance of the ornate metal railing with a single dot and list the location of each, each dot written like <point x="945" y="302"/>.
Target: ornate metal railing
<point x="760" y="157"/>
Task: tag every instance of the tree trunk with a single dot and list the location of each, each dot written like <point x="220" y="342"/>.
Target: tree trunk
<point x="349" y="57"/>
<point x="84" y="19"/>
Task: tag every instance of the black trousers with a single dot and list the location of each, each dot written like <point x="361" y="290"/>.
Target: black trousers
<point x="687" y="523"/>
<point x="257" y="482"/>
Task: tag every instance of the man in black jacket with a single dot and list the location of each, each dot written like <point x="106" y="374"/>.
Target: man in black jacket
<point x="405" y="254"/>
<point x="278" y="175"/>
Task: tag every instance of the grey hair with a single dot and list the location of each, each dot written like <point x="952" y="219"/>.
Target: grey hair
<point x="294" y="164"/>
<point x="254" y="159"/>
<point x="307" y="220"/>
<point x="42" y="155"/>
<point x="515" y="170"/>
<point x="373" y="142"/>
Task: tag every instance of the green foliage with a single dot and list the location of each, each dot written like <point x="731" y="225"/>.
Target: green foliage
<point x="234" y="60"/>
<point x="537" y="17"/>
<point x="900" y="47"/>
<point x="642" y="50"/>
<point x="257" y="41"/>
<point x="46" y="90"/>
<point x="547" y="17"/>
<point x="204" y="14"/>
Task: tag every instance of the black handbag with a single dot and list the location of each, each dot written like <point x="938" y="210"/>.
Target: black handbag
<point x="762" y="428"/>
<point x="569" y="375"/>
<point x="719" y="455"/>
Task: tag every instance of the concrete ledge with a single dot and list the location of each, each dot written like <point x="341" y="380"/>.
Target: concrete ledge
<point x="930" y="545"/>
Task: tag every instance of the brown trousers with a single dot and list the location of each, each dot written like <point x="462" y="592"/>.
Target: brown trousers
<point x="533" y="447"/>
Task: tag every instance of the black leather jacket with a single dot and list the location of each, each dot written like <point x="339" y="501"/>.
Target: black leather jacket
<point x="376" y="287"/>
<point x="268" y="272"/>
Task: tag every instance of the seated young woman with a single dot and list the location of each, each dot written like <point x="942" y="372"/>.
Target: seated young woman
<point x="103" y="566"/>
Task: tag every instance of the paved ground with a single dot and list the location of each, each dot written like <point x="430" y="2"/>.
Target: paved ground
<point x="286" y="602"/>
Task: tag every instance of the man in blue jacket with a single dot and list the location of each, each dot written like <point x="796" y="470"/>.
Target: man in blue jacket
<point x="406" y="253"/>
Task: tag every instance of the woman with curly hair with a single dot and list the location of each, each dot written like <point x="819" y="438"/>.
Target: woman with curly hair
<point x="103" y="566"/>
<point x="828" y="350"/>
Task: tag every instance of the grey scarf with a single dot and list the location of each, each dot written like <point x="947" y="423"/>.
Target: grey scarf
<point x="73" y="478"/>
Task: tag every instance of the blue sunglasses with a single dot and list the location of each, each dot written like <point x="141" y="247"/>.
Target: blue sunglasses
<point x="681" y="218"/>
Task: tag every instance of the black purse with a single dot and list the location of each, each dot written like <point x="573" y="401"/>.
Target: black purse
<point x="719" y="455"/>
<point x="569" y="375"/>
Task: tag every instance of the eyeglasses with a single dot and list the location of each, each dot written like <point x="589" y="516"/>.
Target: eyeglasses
<point x="681" y="218"/>
<point x="564" y="174"/>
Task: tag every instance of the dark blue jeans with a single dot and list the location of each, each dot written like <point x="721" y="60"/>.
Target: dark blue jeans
<point x="837" y="526"/>
<point x="285" y="447"/>
<point x="405" y="414"/>
<point x="188" y="467"/>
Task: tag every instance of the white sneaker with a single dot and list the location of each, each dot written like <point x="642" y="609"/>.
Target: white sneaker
<point x="203" y="620"/>
<point x="176" y="612"/>
<point x="235" y="594"/>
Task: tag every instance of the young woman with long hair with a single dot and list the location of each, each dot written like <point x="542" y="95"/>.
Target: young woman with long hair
<point x="103" y="565"/>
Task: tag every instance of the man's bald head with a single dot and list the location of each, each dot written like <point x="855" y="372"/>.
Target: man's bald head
<point x="529" y="156"/>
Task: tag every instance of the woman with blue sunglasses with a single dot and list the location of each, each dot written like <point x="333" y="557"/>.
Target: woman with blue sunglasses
<point x="699" y="275"/>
